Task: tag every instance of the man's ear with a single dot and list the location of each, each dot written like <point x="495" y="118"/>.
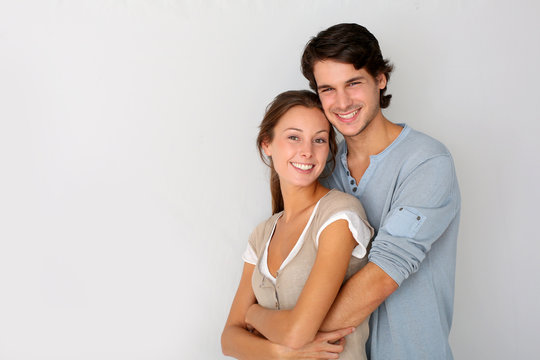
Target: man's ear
<point x="381" y="81"/>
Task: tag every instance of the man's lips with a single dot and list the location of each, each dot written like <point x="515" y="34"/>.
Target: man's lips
<point x="348" y="116"/>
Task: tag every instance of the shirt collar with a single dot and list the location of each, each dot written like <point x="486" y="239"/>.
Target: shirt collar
<point x="377" y="157"/>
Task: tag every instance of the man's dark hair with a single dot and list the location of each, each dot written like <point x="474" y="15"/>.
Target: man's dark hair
<point x="349" y="44"/>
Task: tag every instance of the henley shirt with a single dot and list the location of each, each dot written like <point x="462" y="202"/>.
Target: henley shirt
<point x="411" y="197"/>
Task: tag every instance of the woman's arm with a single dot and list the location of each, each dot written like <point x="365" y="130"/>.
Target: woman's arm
<point x="238" y="342"/>
<point x="298" y="326"/>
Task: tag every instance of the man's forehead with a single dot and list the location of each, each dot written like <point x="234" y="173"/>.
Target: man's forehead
<point x="332" y="71"/>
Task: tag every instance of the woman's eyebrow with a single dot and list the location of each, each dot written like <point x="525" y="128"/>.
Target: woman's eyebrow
<point x="300" y="130"/>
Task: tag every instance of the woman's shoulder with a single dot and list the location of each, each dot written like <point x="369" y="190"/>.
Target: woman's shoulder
<point x="261" y="232"/>
<point x="335" y="201"/>
<point x="337" y="205"/>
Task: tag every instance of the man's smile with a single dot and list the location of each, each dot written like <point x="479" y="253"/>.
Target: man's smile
<point x="347" y="116"/>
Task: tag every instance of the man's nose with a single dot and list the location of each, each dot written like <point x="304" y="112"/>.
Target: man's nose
<point x="343" y="100"/>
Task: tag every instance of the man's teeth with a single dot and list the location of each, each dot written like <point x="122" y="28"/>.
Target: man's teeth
<point x="303" y="166"/>
<point x="348" y="116"/>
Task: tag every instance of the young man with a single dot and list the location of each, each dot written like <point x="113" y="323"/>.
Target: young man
<point x="407" y="184"/>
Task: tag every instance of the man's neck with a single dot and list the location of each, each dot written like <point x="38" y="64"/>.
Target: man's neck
<point x="376" y="137"/>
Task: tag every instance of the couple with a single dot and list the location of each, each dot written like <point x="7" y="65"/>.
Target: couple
<point x="320" y="268"/>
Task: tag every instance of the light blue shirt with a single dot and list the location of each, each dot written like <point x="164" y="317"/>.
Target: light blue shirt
<point x="411" y="197"/>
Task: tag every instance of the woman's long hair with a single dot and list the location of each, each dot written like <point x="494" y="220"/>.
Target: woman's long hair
<point x="274" y="111"/>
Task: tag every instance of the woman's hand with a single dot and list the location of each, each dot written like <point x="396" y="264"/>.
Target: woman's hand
<point x="326" y="345"/>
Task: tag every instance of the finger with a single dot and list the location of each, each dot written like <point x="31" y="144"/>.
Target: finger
<point x="333" y="348"/>
<point x="324" y="347"/>
<point x="324" y="355"/>
<point x="338" y="342"/>
<point x="319" y="350"/>
<point x="334" y="335"/>
<point x="318" y="355"/>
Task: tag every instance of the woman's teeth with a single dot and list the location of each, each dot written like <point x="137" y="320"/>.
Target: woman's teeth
<point x="302" y="166"/>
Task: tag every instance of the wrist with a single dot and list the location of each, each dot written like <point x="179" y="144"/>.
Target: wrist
<point x="280" y="351"/>
<point x="250" y="314"/>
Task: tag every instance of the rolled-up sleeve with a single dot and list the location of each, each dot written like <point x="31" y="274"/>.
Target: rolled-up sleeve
<point x="423" y="205"/>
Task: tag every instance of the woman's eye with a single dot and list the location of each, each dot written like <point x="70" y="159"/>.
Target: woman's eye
<point x="292" y="137"/>
<point x="320" y="141"/>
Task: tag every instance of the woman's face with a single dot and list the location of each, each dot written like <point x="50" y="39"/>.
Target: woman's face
<point x="300" y="147"/>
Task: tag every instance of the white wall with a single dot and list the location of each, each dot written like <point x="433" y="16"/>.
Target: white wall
<point x="129" y="179"/>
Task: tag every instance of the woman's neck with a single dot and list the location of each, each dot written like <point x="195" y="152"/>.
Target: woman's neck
<point x="297" y="200"/>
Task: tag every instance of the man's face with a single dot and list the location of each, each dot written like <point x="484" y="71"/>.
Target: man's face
<point x="350" y="97"/>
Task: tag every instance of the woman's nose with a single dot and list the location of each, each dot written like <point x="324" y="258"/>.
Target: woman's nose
<point x="306" y="150"/>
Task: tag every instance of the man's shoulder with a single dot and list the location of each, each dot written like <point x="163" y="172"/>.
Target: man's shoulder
<point x="423" y="145"/>
<point x="417" y="148"/>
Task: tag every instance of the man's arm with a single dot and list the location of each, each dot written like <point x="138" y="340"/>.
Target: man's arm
<point x="423" y="206"/>
<point x="359" y="297"/>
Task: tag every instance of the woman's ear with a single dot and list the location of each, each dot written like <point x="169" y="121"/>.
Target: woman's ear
<point x="267" y="147"/>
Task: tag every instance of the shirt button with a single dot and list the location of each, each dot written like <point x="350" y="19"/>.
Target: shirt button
<point x="418" y="218"/>
<point x="348" y="173"/>
<point x="352" y="182"/>
<point x="354" y="189"/>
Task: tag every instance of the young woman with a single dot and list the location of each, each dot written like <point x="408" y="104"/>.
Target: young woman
<point x="297" y="260"/>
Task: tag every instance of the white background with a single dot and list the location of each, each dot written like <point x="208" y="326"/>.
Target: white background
<point x="129" y="179"/>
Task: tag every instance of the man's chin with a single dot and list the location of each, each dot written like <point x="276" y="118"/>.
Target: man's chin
<point x="349" y="132"/>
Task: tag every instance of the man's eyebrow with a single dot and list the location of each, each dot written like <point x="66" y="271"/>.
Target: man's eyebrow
<point x="356" y="78"/>
<point x="323" y="87"/>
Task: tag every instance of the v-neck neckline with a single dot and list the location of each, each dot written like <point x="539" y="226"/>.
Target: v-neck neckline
<point x="296" y="248"/>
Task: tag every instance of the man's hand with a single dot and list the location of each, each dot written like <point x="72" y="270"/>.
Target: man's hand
<point x="326" y="345"/>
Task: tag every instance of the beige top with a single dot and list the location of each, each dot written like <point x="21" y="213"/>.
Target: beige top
<point x="283" y="293"/>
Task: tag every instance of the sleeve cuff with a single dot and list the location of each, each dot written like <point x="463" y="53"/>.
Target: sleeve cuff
<point x="360" y="230"/>
<point x="249" y="255"/>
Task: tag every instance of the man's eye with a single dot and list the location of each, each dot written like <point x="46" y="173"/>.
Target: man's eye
<point x="354" y="83"/>
<point x="326" y="90"/>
